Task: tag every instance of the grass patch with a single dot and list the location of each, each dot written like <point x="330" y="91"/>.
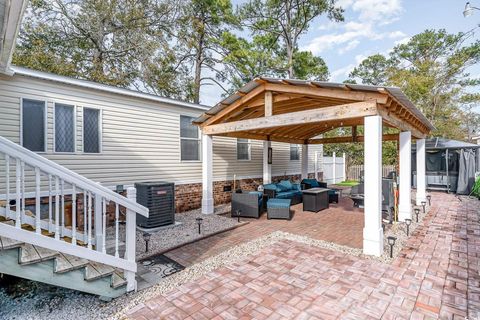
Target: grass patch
<point x="348" y="183"/>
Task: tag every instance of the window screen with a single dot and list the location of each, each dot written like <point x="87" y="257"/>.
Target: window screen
<point x="33" y="125"/>
<point x="294" y="152"/>
<point x="91" y="130"/>
<point x="189" y="139"/>
<point x="64" y="128"/>
<point x="243" y="149"/>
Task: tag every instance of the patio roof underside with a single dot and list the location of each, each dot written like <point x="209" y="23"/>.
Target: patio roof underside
<point x="298" y="111"/>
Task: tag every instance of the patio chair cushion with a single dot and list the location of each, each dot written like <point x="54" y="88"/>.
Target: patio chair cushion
<point x="312" y="182"/>
<point x="297" y="187"/>
<point x="278" y="203"/>
<point x="285" y="185"/>
<point x="270" y="186"/>
<point x="288" y="194"/>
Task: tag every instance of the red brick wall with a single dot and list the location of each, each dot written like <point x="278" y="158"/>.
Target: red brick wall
<point x="189" y="196"/>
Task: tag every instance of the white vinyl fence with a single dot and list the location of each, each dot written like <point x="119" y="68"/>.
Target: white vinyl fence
<point x="333" y="168"/>
<point x="354" y="172"/>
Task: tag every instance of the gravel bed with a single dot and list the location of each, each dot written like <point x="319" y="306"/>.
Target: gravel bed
<point x="186" y="231"/>
<point x="47" y="302"/>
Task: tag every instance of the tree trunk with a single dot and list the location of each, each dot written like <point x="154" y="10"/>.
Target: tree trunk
<point x="198" y="68"/>
<point x="290" y="61"/>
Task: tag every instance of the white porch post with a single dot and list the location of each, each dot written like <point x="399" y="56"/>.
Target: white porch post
<point x="405" y="176"/>
<point x="373" y="232"/>
<point x="207" y="174"/>
<point x="267" y="168"/>
<point x="344" y="167"/>
<point x="304" y="161"/>
<point x="334" y="166"/>
<point x="421" y="179"/>
<point x="315" y="165"/>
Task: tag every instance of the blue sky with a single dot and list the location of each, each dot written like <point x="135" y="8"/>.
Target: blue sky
<point x="374" y="26"/>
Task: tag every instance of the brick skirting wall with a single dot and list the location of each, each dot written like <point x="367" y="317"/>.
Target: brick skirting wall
<point x="189" y="196"/>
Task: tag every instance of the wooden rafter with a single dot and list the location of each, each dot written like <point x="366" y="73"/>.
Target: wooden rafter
<point x="345" y="111"/>
<point x="385" y="137"/>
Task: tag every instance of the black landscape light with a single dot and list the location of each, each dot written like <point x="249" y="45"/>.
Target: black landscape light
<point x="391" y="243"/>
<point x="423" y="205"/>
<point x="408" y="222"/>
<point x="417" y="212"/>
<point x="238" y="213"/>
<point x="199" y="222"/>
<point x="429" y="198"/>
<point x="146" y="237"/>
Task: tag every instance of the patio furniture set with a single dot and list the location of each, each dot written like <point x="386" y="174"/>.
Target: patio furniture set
<point x="277" y="198"/>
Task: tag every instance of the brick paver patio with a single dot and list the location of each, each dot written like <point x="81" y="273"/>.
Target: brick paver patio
<point x="341" y="223"/>
<point x="435" y="276"/>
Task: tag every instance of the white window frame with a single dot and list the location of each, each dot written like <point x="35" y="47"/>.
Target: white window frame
<point x="199" y="139"/>
<point x="100" y="131"/>
<point x="290" y="151"/>
<point x="249" y="150"/>
<point x="74" y="128"/>
<point x="45" y="123"/>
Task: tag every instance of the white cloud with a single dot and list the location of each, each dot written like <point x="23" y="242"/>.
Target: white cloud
<point x="341" y="74"/>
<point x="371" y="14"/>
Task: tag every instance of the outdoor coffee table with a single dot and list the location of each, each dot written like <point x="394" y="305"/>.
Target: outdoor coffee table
<point x="315" y="199"/>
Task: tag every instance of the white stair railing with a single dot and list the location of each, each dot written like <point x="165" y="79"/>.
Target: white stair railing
<point x="86" y="240"/>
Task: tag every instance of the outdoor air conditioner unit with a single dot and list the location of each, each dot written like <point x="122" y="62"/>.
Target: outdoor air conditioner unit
<point x="159" y="198"/>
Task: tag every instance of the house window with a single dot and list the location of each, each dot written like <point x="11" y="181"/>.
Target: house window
<point x="243" y="149"/>
<point x="294" y="152"/>
<point x="91" y="130"/>
<point x="33" y="125"/>
<point x="64" y="128"/>
<point x="189" y="140"/>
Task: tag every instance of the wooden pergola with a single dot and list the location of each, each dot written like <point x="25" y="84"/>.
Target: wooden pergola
<point x="298" y="112"/>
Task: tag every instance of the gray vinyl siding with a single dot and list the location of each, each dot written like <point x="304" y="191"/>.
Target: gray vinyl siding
<point x="140" y="139"/>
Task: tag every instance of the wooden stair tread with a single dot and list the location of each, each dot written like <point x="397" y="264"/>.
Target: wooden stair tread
<point x="62" y="265"/>
<point x="95" y="271"/>
<point x="28" y="254"/>
<point x="118" y="280"/>
<point x="46" y="254"/>
<point x="7" y="243"/>
<point x="76" y="262"/>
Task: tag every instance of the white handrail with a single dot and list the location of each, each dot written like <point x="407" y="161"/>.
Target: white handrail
<point x="31" y="158"/>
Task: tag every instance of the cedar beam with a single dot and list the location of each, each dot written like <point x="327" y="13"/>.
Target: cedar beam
<point x="386" y="137"/>
<point x="334" y="113"/>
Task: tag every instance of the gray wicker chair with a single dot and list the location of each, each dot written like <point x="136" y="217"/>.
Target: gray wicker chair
<point x="248" y="204"/>
<point x="388" y="201"/>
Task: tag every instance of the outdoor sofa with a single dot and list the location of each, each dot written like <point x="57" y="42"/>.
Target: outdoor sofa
<point x="284" y="190"/>
<point x="313" y="183"/>
<point x="249" y="204"/>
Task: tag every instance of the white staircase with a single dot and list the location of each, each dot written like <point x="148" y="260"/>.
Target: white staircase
<point x="62" y="239"/>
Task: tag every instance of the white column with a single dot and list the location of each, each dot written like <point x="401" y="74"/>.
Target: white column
<point x="421" y="178"/>
<point x="344" y="167"/>
<point x="304" y="161"/>
<point x="130" y="239"/>
<point x="267" y="168"/>
<point x="334" y="166"/>
<point x="315" y="165"/>
<point x="207" y="174"/>
<point x="405" y="176"/>
<point x="373" y="232"/>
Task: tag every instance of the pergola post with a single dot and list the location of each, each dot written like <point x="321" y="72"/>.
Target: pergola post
<point x="421" y="178"/>
<point x="304" y="161"/>
<point x="267" y="168"/>
<point x="405" y="176"/>
<point x="373" y="232"/>
<point x="207" y="174"/>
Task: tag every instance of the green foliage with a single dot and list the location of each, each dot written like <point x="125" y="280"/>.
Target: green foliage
<point x="432" y="70"/>
<point x="285" y="21"/>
